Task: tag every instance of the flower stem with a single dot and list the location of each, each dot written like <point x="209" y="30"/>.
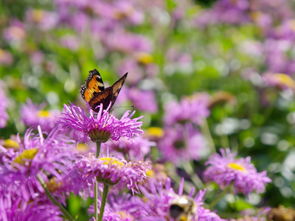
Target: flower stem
<point x="219" y="197"/>
<point x="207" y="133"/>
<point x="193" y="175"/>
<point x="103" y="200"/>
<point x="66" y="214"/>
<point x="96" y="184"/>
<point x="98" y="148"/>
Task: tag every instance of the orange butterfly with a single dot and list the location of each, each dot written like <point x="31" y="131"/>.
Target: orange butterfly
<point x="94" y="92"/>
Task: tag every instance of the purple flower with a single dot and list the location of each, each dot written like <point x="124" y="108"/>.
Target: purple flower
<point x="45" y="20"/>
<point x="127" y="42"/>
<point x="143" y="100"/>
<point x="34" y="115"/>
<point x="100" y="126"/>
<point x="3" y="106"/>
<point x="193" y="109"/>
<point x="70" y="41"/>
<point x="15" y="33"/>
<point x="181" y="143"/>
<point x="226" y="169"/>
<point x="5" y="57"/>
<point x="112" y="171"/>
<point x="36" y="156"/>
<point x="282" y="81"/>
<point x="135" y="148"/>
<point x="160" y="199"/>
<point x="13" y="208"/>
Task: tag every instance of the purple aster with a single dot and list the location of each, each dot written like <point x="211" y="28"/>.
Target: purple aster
<point x="44" y="20"/>
<point x="160" y="199"/>
<point x="123" y="207"/>
<point x="5" y="57"/>
<point x="128" y="42"/>
<point x="112" y="171"/>
<point x="70" y="41"/>
<point x="193" y="109"/>
<point x="34" y="115"/>
<point x="143" y="100"/>
<point x="36" y="156"/>
<point x="282" y="81"/>
<point x="136" y="148"/>
<point x="3" y="106"/>
<point x="15" y="33"/>
<point x="102" y="125"/>
<point x="181" y="143"/>
<point x="225" y="169"/>
<point x="13" y="208"/>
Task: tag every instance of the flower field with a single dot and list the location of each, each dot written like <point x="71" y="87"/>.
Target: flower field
<point x="133" y="110"/>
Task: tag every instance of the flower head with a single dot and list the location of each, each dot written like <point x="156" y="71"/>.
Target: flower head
<point x="163" y="201"/>
<point x="135" y="148"/>
<point x="35" y="156"/>
<point x="193" y="109"/>
<point x="226" y="169"/>
<point x="100" y="126"/>
<point x="112" y="171"/>
<point x="282" y="81"/>
<point x="35" y="115"/>
<point x="181" y="143"/>
<point x="12" y="208"/>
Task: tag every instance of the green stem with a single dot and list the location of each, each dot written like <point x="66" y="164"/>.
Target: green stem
<point x="96" y="185"/>
<point x="98" y="148"/>
<point x="219" y="197"/>
<point x="207" y="133"/>
<point x="105" y="192"/>
<point x="66" y="214"/>
<point x="194" y="177"/>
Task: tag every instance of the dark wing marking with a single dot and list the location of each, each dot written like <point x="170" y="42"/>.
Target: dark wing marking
<point x="92" y="86"/>
<point x="107" y="97"/>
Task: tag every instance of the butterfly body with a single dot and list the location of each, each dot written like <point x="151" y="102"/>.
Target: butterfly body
<point x="95" y="94"/>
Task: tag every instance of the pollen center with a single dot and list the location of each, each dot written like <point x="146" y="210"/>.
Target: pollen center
<point x="236" y="166"/>
<point x="10" y="144"/>
<point x="43" y="114"/>
<point x="111" y="161"/>
<point x="144" y="58"/>
<point x="155" y="131"/>
<point x="26" y="155"/>
<point x="285" y="79"/>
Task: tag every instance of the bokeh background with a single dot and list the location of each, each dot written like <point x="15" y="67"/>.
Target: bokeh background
<point x="238" y="54"/>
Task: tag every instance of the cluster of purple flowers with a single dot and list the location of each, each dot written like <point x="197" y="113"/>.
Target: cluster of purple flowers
<point x="182" y="140"/>
<point x="119" y="167"/>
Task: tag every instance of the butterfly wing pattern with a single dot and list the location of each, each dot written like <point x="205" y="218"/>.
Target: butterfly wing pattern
<point x="94" y="93"/>
<point x="92" y="86"/>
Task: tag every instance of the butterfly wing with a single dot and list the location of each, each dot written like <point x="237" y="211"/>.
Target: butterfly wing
<point x="108" y="97"/>
<point x="93" y="86"/>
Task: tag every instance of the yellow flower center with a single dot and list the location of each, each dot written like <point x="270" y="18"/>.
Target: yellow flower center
<point x="125" y="215"/>
<point x="43" y="114"/>
<point x="26" y="155"/>
<point x="37" y="15"/>
<point x="10" y="144"/>
<point x="111" y="161"/>
<point x="144" y="58"/>
<point x="236" y="166"/>
<point x="150" y="173"/>
<point x="81" y="147"/>
<point x="155" y="132"/>
<point x="285" y="80"/>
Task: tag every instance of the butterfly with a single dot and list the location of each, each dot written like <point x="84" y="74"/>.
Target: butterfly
<point x="94" y="92"/>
